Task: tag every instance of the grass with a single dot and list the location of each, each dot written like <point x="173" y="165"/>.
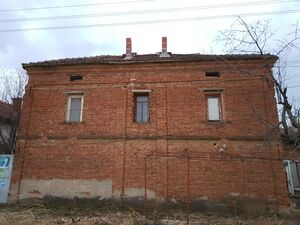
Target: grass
<point x="41" y="213"/>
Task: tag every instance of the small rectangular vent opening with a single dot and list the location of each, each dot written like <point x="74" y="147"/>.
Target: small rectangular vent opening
<point x="75" y="77"/>
<point x="212" y="74"/>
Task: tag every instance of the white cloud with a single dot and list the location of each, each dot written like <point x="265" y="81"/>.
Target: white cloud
<point x="183" y="37"/>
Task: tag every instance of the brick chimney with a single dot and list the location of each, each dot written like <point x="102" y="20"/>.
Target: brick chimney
<point x="128" y="49"/>
<point x="164" y="49"/>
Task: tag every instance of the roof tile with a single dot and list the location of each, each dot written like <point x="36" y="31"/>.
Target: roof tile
<point x="147" y="58"/>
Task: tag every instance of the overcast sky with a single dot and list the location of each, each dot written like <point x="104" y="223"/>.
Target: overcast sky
<point x="196" y="26"/>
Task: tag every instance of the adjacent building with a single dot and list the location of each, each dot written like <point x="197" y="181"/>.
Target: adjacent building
<point x="9" y="119"/>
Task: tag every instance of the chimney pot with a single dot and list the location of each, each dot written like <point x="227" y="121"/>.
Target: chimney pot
<point x="128" y="49"/>
<point x="164" y="44"/>
<point x="164" y="49"/>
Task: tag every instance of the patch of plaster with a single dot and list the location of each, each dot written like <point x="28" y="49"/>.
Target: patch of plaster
<point x="135" y="193"/>
<point x="203" y="198"/>
<point x="117" y="195"/>
<point x="65" y="188"/>
<point x="250" y="195"/>
<point x="139" y="192"/>
<point x="173" y="200"/>
<point x="234" y="194"/>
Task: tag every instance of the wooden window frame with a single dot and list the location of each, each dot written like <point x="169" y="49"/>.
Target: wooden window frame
<point x="293" y="190"/>
<point x="136" y="95"/>
<point x="70" y="97"/>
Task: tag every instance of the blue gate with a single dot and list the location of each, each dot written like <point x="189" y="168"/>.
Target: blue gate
<point x="6" y="162"/>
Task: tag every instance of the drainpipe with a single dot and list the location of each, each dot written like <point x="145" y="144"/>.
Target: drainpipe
<point x="31" y="93"/>
<point x="124" y="151"/>
<point x="167" y="133"/>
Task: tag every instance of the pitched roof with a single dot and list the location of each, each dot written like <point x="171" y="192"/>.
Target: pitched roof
<point x="148" y="58"/>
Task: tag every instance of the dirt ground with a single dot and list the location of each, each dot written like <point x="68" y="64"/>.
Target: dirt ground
<point x="38" y="214"/>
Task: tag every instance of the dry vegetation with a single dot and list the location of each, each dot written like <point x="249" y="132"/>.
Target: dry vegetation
<point x="38" y="214"/>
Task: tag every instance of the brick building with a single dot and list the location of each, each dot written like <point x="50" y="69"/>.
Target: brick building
<point x="181" y="128"/>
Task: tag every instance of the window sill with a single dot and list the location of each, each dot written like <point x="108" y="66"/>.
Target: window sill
<point x="141" y="123"/>
<point x="216" y="122"/>
<point x="75" y="123"/>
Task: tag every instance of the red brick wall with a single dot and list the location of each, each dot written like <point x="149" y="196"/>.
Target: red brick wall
<point x="176" y="155"/>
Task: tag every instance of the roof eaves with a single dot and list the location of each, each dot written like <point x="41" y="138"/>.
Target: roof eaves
<point x="144" y="59"/>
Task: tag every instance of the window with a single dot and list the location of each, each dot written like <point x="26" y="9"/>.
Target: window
<point x="212" y="74"/>
<point x="74" y="112"/>
<point x="75" y="77"/>
<point x="293" y="176"/>
<point x="214" y="107"/>
<point x="141" y="108"/>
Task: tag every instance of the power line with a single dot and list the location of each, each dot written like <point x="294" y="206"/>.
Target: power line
<point x="123" y="2"/>
<point x="148" y="21"/>
<point x="71" y="6"/>
<point x="77" y="16"/>
<point x="289" y="62"/>
<point x="294" y="86"/>
<point x="291" y="66"/>
<point x="293" y="61"/>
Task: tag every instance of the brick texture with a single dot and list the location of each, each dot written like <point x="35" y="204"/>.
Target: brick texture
<point x="177" y="154"/>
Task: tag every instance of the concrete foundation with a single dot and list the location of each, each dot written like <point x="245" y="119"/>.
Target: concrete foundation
<point x="63" y="188"/>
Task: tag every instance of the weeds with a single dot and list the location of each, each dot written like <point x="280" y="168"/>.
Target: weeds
<point x="39" y="213"/>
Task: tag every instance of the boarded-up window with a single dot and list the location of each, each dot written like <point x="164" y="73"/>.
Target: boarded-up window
<point x="74" y="113"/>
<point x="142" y="108"/>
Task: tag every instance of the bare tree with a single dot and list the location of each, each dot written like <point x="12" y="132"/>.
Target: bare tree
<point x="12" y="83"/>
<point x="257" y="38"/>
